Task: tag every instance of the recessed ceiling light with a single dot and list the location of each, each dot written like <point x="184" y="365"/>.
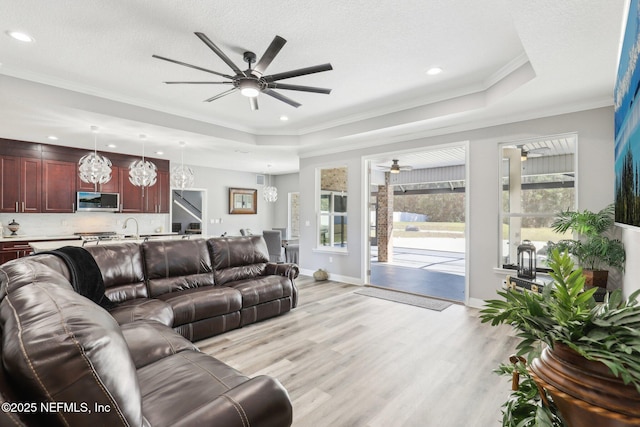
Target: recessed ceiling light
<point x="433" y="71"/>
<point x="18" y="35"/>
<point x="160" y="153"/>
<point x="284" y="118"/>
<point x="111" y="145"/>
<point x="52" y="137"/>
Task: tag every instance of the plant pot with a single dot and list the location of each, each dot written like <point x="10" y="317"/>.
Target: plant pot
<point x="595" y="278"/>
<point x="585" y="392"/>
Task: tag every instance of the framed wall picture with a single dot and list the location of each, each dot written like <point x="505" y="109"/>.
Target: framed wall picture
<point x="627" y="125"/>
<point x="243" y="201"/>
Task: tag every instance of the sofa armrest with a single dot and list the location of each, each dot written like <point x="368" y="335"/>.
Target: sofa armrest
<point x="287" y="270"/>
<point x="150" y="341"/>
<point x="261" y="401"/>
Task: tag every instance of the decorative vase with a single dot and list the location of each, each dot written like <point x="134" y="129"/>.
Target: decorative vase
<point x="14" y="227"/>
<point x="586" y="392"/>
<point x="320" y="275"/>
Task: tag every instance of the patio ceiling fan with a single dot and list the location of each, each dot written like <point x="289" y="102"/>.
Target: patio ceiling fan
<point x="252" y="81"/>
<point x="395" y="167"/>
<point x="526" y="153"/>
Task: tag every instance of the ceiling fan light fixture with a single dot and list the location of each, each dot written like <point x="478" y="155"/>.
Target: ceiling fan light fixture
<point x="249" y="88"/>
<point x="253" y="81"/>
<point x="395" y="167"/>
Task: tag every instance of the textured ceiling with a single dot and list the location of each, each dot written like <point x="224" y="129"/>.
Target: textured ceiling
<point x="503" y="60"/>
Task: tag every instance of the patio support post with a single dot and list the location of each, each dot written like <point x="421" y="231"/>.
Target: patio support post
<point x="384" y="221"/>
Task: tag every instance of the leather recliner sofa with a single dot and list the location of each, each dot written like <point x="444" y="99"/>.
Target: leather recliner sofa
<point x="67" y="361"/>
<point x="176" y="283"/>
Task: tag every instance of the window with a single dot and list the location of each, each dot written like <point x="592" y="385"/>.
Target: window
<point x="537" y="182"/>
<point x="332" y="212"/>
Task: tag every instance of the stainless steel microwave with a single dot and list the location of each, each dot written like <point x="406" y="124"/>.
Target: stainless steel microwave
<point x="89" y="201"/>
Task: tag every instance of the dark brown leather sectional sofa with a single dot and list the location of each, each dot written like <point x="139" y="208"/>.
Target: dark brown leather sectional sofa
<point x="67" y="361"/>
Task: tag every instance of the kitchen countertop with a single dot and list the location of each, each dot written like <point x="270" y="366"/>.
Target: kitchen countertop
<point x="40" y="245"/>
<point x="33" y="238"/>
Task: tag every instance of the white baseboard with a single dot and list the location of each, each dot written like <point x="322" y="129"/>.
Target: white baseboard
<point x="337" y="277"/>
<point x="475" y="303"/>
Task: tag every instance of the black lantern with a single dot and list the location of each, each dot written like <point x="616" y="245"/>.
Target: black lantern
<point x="526" y="260"/>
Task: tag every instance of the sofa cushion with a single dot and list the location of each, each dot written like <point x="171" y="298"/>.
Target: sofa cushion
<point x="176" y="265"/>
<point x="61" y="347"/>
<point x="238" y="258"/>
<point x="122" y="270"/>
<point x="191" y="305"/>
<point x="213" y="394"/>
<point x="150" y="341"/>
<point x="143" y="308"/>
<point x="262" y="289"/>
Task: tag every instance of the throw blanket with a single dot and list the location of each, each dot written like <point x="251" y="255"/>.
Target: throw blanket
<point x="86" y="277"/>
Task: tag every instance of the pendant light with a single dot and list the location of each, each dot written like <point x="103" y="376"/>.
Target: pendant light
<point x="182" y="176"/>
<point x="142" y="173"/>
<point x="269" y="192"/>
<point x="94" y="168"/>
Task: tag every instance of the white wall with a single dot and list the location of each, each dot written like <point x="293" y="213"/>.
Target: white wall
<point x="595" y="190"/>
<point x="343" y="266"/>
<point x="631" y="239"/>
<point x="289" y="183"/>
<point x="217" y="182"/>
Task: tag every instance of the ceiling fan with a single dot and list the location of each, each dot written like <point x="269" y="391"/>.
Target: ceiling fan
<point x="526" y="153"/>
<point x="395" y="167"/>
<point x="252" y="81"/>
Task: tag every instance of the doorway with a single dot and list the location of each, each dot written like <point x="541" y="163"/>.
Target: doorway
<point x="417" y="222"/>
<point x="187" y="212"/>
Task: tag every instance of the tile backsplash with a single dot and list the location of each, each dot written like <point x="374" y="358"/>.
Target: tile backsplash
<point x="67" y="224"/>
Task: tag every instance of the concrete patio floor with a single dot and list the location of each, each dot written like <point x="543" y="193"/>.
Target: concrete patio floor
<point x="423" y="271"/>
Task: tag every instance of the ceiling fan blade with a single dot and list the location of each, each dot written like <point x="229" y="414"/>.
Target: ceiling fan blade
<point x="220" y="95"/>
<point x="282" y="98"/>
<point x="220" y="53"/>
<point x="274" y="85"/>
<point x="192" y="66"/>
<point x="271" y="52"/>
<point x="198" y="83"/>
<point x="253" y="101"/>
<point x="298" y="72"/>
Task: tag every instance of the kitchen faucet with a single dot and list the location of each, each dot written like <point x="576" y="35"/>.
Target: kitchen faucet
<point x="137" y="235"/>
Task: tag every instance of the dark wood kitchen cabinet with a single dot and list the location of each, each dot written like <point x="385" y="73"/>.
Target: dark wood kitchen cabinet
<point x="58" y="186"/>
<point x="14" y="250"/>
<point x="154" y="199"/>
<point x="158" y="195"/>
<point x="20" y="185"/>
<point x="44" y="178"/>
<point x="112" y="186"/>
<point x="131" y="196"/>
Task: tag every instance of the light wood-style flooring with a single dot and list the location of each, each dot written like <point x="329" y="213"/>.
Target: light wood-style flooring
<point x="352" y="360"/>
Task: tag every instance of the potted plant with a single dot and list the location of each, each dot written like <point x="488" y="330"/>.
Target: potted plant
<point x="584" y="356"/>
<point x="594" y="251"/>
